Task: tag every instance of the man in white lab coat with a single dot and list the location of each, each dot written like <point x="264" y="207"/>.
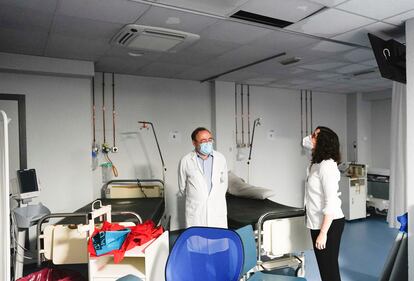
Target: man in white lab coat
<point x="202" y="177"/>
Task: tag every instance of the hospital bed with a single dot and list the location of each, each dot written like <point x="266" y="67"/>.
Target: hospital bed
<point x="280" y="231"/>
<point x="63" y="243"/>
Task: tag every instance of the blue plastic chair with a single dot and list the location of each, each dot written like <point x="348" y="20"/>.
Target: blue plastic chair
<point x="250" y="258"/>
<point x="204" y="253"/>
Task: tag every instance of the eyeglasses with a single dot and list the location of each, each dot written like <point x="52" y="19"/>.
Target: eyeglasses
<point x="206" y="140"/>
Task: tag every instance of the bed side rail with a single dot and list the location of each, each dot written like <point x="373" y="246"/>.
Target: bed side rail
<point x="47" y="217"/>
<point x="267" y="216"/>
<point x="137" y="181"/>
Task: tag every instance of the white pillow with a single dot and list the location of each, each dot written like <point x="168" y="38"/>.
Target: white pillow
<point x="238" y="187"/>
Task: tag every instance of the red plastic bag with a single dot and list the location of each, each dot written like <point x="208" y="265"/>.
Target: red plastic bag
<point x="53" y="274"/>
<point x="140" y="234"/>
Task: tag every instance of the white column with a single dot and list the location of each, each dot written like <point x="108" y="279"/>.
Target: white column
<point x="223" y="121"/>
<point x="409" y="29"/>
<point x="4" y="199"/>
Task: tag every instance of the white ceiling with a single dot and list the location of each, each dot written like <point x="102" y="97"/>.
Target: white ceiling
<point x="332" y="44"/>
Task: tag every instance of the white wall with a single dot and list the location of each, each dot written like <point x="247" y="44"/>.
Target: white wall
<point x="172" y="105"/>
<point x="59" y="132"/>
<point x="369" y="125"/>
<point x="12" y="111"/>
<point x="410" y="150"/>
<point x="380" y="130"/>
<point x="352" y="125"/>
<point x="58" y="135"/>
<point x="277" y="163"/>
<point x="364" y="126"/>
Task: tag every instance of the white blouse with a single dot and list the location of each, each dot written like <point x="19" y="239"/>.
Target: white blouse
<point x="321" y="193"/>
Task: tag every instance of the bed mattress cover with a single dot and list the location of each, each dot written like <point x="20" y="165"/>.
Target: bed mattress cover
<point x="244" y="211"/>
<point x="146" y="208"/>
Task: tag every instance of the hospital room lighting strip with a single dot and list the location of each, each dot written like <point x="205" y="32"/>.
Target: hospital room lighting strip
<point x="242" y="67"/>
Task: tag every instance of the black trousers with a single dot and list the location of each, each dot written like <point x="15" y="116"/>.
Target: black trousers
<point x="328" y="257"/>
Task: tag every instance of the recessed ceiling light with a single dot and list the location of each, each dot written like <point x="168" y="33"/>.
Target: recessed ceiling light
<point x="173" y="20"/>
<point x="290" y="60"/>
<point x="132" y="54"/>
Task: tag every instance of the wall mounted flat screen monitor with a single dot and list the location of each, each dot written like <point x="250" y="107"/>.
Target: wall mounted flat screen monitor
<point x="390" y="57"/>
<point x="28" y="185"/>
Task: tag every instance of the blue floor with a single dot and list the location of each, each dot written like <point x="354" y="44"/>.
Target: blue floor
<point x="364" y="248"/>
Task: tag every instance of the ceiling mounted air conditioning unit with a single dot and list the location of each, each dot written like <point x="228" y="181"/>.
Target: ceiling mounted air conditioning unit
<point x="141" y="37"/>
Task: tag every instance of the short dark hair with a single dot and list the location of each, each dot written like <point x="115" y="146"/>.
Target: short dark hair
<point x="196" y="131"/>
<point x="327" y="146"/>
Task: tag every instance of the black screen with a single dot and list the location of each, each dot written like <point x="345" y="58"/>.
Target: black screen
<point x="27" y="180"/>
<point x="390" y="57"/>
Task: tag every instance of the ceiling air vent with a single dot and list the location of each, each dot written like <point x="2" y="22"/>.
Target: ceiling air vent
<point x="290" y="60"/>
<point x="140" y="37"/>
<point x="252" y="17"/>
<point x="364" y="72"/>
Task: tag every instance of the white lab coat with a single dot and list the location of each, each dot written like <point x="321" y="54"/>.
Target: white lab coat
<point x="202" y="208"/>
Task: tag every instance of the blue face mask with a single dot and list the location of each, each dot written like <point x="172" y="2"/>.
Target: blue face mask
<point x="206" y="148"/>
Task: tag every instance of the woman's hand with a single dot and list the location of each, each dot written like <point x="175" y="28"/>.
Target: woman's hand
<point x="320" y="243"/>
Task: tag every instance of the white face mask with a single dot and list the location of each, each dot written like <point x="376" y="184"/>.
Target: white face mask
<point x="307" y="142"/>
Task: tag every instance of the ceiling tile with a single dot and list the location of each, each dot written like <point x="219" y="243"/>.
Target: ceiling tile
<point x="213" y="47"/>
<point x="233" y="32"/>
<point x="360" y="37"/>
<point x="120" y="11"/>
<point x="316" y="84"/>
<point x="200" y="73"/>
<point x="45" y="6"/>
<point x="215" y="7"/>
<point x="120" y="65"/>
<point x="240" y="57"/>
<point x="185" y="58"/>
<point x="352" y="68"/>
<point x="322" y="75"/>
<point x="22" y="42"/>
<point x="377" y="9"/>
<point x="268" y="67"/>
<point x="339" y="22"/>
<point x="157" y="69"/>
<point x="330" y="47"/>
<point x="292" y="10"/>
<point x="239" y="76"/>
<point x="173" y="19"/>
<point x="357" y="55"/>
<point x="328" y="3"/>
<point x="75" y="48"/>
<point x="323" y="49"/>
<point x="85" y="28"/>
<point x="297" y="81"/>
<point x="282" y="41"/>
<point x="258" y="81"/>
<point x="323" y="65"/>
<point x="401" y="18"/>
<point x="369" y="62"/>
<point x="24" y="19"/>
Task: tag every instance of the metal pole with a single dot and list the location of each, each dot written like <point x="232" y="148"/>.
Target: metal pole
<point x="248" y="115"/>
<point x="311" y="111"/>
<point x="306" y="109"/>
<point x="301" y="114"/>
<point x="113" y="110"/>
<point x="93" y="112"/>
<point x="242" y="115"/>
<point x="103" y="106"/>
<point x="235" y="113"/>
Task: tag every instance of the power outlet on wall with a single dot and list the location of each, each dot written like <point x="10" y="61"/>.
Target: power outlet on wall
<point x="271" y="135"/>
<point x="174" y="136"/>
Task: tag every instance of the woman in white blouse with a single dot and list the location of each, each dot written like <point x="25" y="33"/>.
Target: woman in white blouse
<point x="324" y="216"/>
